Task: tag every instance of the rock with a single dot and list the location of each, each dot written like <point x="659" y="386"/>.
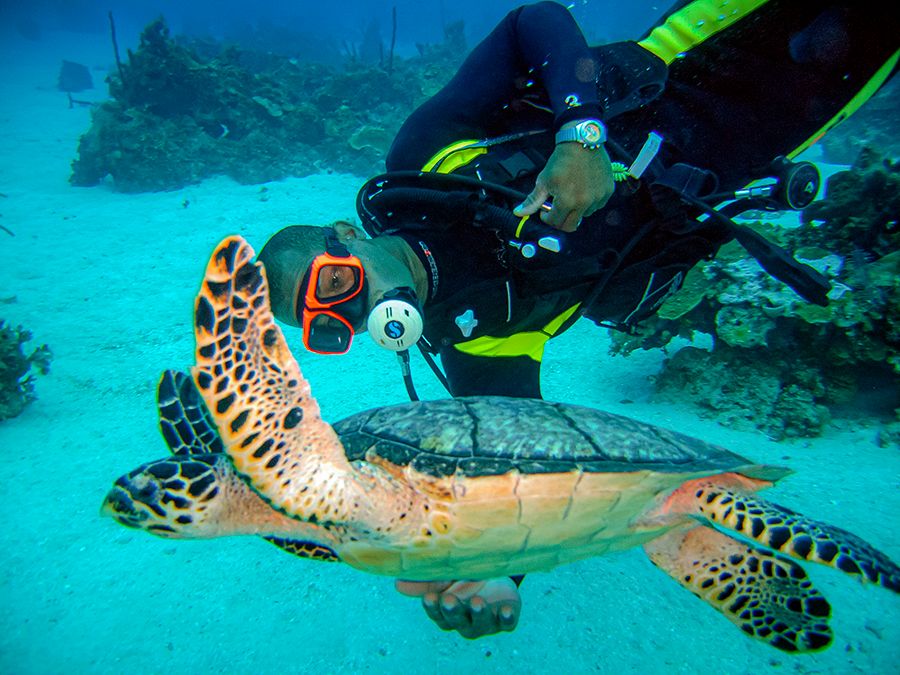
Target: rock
<point x="74" y="77"/>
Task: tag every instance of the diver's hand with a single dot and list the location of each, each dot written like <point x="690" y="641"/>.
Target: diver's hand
<point x="472" y="608"/>
<point x="579" y="180"/>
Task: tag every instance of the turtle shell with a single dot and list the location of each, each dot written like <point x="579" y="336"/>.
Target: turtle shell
<point x="488" y="436"/>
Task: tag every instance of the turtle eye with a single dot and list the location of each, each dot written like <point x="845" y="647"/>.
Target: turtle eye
<point x="145" y="491"/>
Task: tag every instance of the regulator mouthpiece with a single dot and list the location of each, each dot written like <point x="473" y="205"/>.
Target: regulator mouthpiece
<point x="395" y="321"/>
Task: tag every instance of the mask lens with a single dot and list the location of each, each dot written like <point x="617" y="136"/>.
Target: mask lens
<point x="327" y="333"/>
<point x="336" y="283"/>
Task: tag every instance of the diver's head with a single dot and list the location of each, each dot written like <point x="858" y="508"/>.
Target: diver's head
<point x="287" y="257"/>
<point x="328" y="281"/>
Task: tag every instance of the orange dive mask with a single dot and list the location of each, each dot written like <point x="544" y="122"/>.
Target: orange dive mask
<point x="331" y="299"/>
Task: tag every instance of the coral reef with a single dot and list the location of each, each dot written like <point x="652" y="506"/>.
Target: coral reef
<point x="777" y="362"/>
<point x="862" y="209"/>
<point x="16" y="376"/>
<point x="176" y="116"/>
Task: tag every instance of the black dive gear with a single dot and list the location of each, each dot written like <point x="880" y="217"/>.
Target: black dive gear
<point x="793" y="186"/>
<point x="727" y="95"/>
<point x="423" y="201"/>
<point x="797" y="183"/>
<point x="410" y="201"/>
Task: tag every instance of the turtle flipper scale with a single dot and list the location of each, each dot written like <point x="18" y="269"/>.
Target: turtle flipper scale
<point x="796" y="535"/>
<point x="253" y="387"/>
<point x="768" y="597"/>
<point x="184" y="421"/>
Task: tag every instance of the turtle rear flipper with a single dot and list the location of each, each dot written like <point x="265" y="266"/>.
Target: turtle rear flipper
<point x="793" y="534"/>
<point x="768" y="597"/>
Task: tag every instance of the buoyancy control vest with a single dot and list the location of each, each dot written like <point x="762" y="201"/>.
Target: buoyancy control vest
<point x="617" y="269"/>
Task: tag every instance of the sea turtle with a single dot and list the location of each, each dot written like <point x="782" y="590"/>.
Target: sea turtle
<point x="468" y="488"/>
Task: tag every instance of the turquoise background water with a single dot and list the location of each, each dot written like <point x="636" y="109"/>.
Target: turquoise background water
<point x="107" y="280"/>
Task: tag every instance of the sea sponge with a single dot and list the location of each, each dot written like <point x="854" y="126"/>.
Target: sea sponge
<point x="743" y="326"/>
<point x="16" y="376"/>
<point x="371" y="136"/>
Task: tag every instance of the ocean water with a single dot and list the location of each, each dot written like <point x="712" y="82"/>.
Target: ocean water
<point x="108" y="280"/>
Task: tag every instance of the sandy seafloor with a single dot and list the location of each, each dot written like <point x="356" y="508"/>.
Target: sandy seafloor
<point x="108" y="281"/>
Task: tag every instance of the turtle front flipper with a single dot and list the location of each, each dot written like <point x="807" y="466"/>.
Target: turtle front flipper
<point x="796" y="535"/>
<point x="252" y="386"/>
<point x="184" y="421"/>
<point x="768" y="597"/>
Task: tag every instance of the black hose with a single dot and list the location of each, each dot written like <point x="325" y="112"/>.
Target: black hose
<point x="808" y="282"/>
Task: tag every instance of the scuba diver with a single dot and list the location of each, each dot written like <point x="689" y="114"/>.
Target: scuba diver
<point x="550" y="180"/>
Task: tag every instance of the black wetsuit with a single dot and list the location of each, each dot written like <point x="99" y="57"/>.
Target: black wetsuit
<point x="758" y="88"/>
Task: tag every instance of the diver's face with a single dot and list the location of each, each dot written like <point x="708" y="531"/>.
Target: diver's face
<point x="383" y="272"/>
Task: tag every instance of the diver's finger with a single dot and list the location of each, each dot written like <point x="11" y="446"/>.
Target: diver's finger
<point x="595" y="206"/>
<point x="454" y="611"/>
<point x="432" y="604"/>
<point x="561" y="219"/>
<point x="483" y="622"/>
<point x="507" y="617"/>
<point x="533" y="201"/>
<point x="572" y="222"/>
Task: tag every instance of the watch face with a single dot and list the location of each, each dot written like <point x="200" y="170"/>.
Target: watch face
<point x="591" y="132"/>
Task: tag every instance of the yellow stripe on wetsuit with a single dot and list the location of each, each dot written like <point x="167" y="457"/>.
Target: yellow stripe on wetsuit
<point x="695" y="23"/>
<point x="861" y="97"/>
<point x="698" y="21"/>
<point x="454" y="156"/>
<point x="526" y="343"/>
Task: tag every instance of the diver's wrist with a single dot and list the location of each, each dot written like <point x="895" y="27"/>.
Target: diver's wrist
<point x="590" y="132"/>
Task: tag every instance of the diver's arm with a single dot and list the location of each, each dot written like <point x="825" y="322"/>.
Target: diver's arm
<point x="553" y="49"/>
<point x="540" y="43"/>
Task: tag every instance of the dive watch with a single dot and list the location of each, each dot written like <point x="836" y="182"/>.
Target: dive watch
<point x="590" y="133"/>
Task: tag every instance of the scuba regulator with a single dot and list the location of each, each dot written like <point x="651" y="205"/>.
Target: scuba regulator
<point x="395" y="322"/>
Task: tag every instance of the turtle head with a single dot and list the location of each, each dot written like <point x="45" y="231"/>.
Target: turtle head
<point x="177" y="497"/>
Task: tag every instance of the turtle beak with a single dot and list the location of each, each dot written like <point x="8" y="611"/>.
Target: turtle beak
<point x="119" y="505"/>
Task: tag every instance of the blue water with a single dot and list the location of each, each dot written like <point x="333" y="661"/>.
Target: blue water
<point x="107" y="280"/>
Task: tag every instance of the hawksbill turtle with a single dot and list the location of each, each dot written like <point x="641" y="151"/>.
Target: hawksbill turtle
<point x="468" y="488"/>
